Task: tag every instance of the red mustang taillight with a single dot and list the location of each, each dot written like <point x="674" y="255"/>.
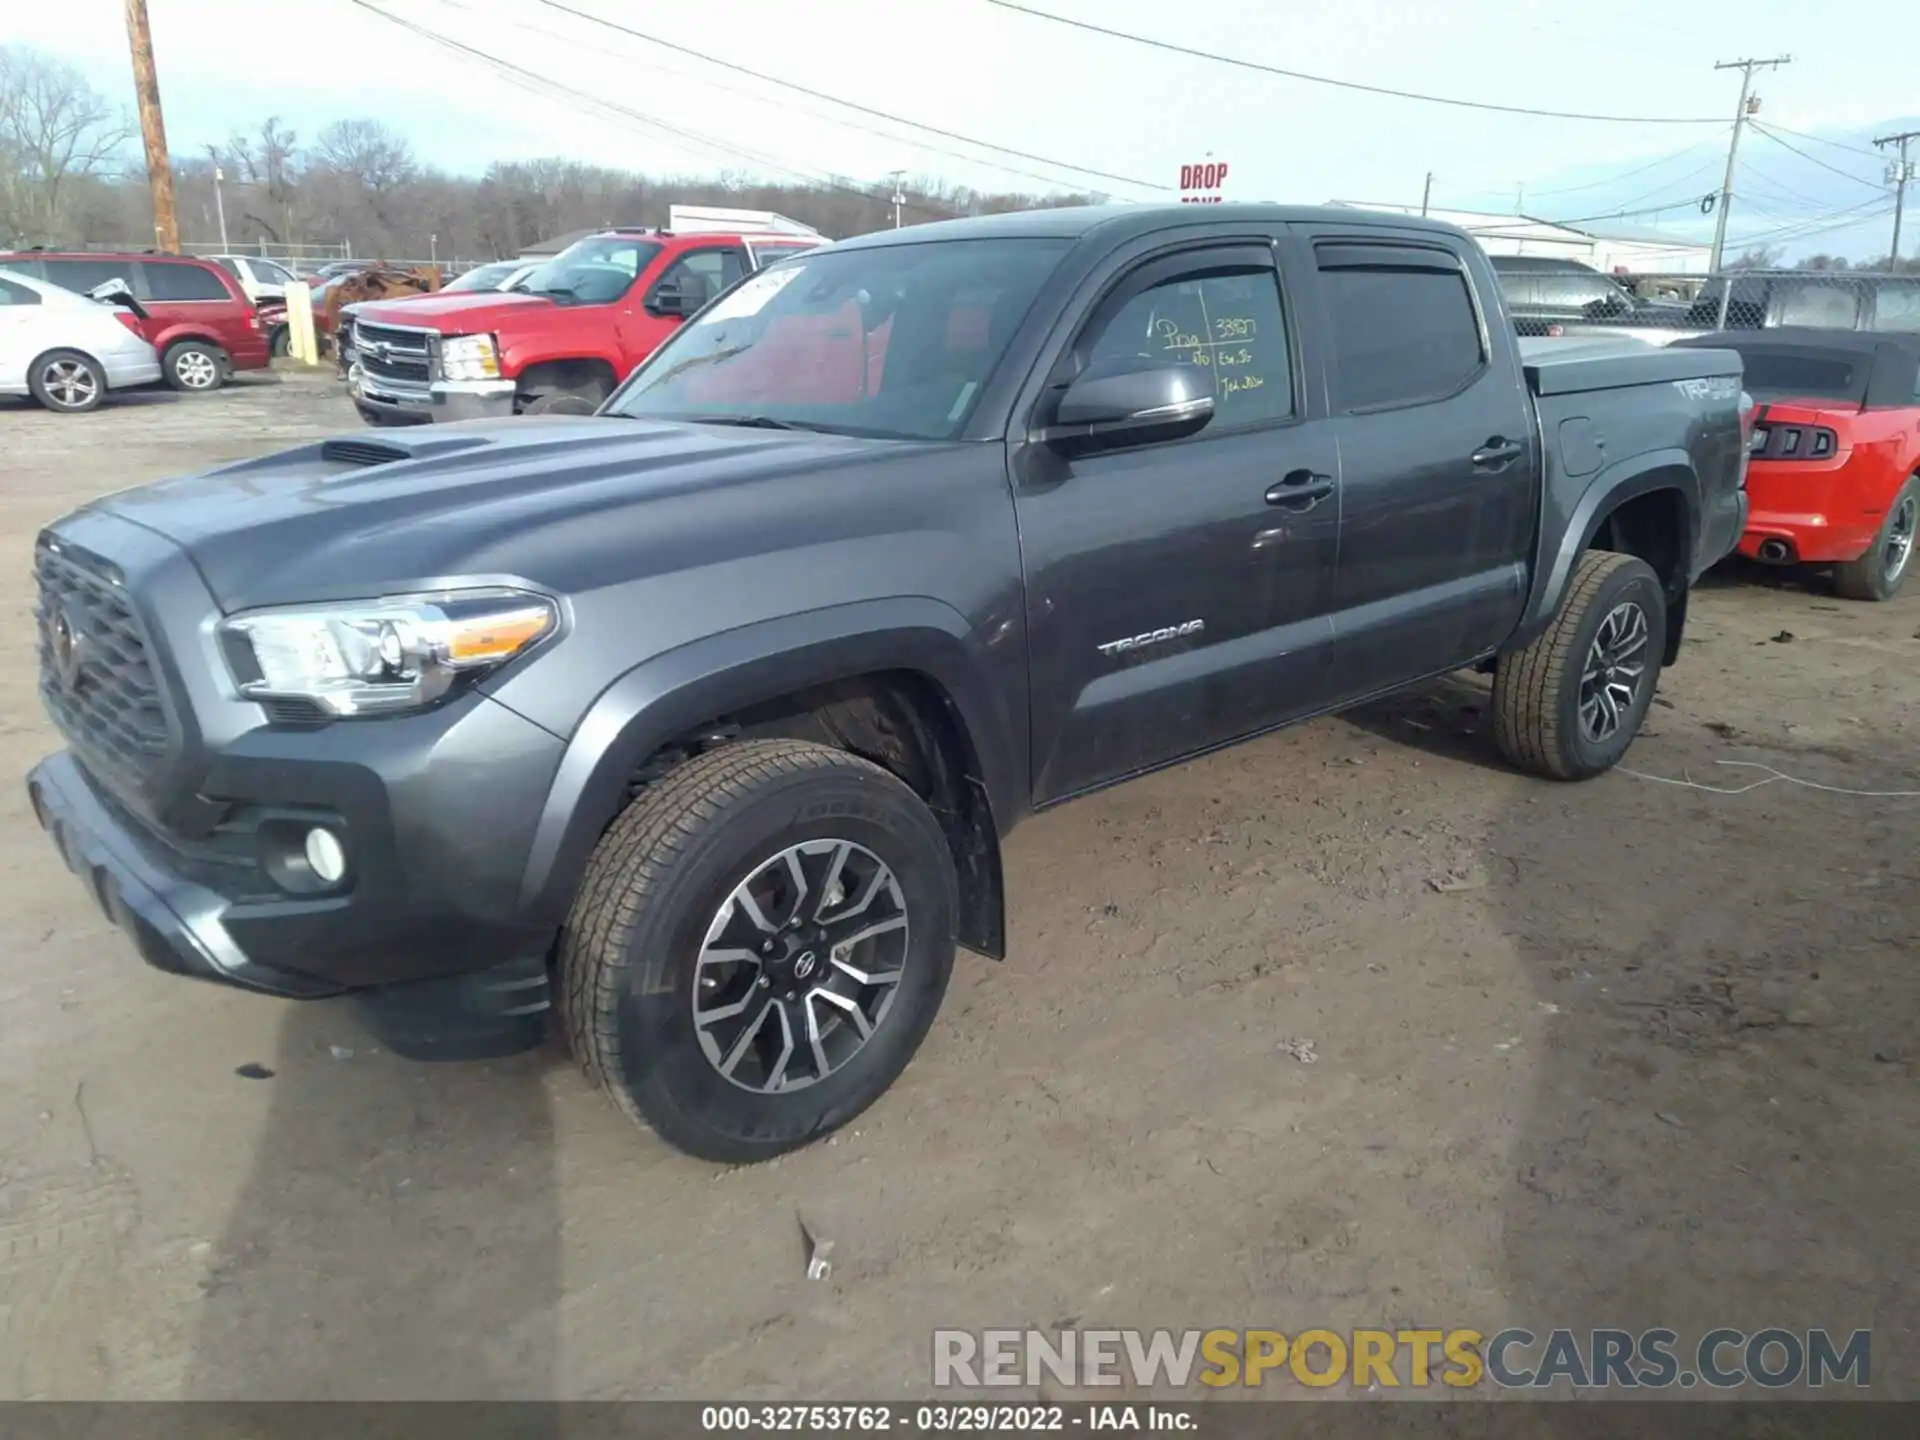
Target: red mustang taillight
<point x="1792" y="442"/>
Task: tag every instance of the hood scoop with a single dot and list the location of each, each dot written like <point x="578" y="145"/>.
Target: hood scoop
<point x="347" y="451"/>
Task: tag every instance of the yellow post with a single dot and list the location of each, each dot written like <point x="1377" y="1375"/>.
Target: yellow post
<point x="300" y="338"/>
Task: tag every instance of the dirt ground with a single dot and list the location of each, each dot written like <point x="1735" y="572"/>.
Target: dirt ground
<point x="1625" y="1053"/>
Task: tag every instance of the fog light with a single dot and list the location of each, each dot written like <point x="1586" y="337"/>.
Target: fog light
<point x="326" y="856"/>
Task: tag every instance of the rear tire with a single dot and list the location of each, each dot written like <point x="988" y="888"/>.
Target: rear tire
<point x="67" y="382"/>
<point x="581" y="399"/>
<point x="677" y="994"/>
<point x="194" y="367"/>
<point x="1568" y="705"/>
<point x="1878" y="574"/>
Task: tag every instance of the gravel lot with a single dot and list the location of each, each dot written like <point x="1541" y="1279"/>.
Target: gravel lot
<point x="1623" y="1054"/>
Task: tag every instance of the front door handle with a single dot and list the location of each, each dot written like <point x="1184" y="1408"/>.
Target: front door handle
<point x="1300" y="490"/>
<point x="1497" y="453"/>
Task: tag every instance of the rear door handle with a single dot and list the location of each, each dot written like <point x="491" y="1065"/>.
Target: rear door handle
<point x="1496" y="453"/>
<point x="1300" y="490"/>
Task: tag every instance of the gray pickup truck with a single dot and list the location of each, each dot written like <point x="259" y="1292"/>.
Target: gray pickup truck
<point x="703" y="720"/>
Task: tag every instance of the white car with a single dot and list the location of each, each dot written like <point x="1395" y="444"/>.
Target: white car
<point x="67" y="350"/>
<point x="263" y="280"/>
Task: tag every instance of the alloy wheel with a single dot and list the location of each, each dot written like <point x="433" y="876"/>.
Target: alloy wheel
<point x="70" y="384"/>
<point x="1616" y="663"/>
<point x="196" y="370"/>
<point x="799" y="966"/>
<point x="1900" y="533"/>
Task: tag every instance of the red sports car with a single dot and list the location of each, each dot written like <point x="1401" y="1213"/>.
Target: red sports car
<point x="1833" y="473"/>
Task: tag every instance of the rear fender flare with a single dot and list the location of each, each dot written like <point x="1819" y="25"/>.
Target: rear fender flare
<point x="670" y="694"/>
<point x="1618" y="483"/>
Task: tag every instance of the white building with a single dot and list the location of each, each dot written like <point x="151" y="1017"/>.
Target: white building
<point x="1603" y="246"/>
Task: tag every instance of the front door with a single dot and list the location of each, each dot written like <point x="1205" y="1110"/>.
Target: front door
<point x="1438" y="459"/>
<point x="702" y="272"/>
<point x="1178" y="592"/>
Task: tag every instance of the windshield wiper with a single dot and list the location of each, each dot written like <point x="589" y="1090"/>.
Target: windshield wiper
<point x="760" y="422"/>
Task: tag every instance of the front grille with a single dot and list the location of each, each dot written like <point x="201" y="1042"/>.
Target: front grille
<point x="97" y="675"/>
<point x="388" y="354"/>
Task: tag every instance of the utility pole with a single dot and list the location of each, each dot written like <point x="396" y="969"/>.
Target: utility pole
<point x="898" y="198"/>
<point x="1898" y="174"/>
<point x="1749" y="104"/>
<point x="1426" y="195"/>
<point x="219" y="203"/>
<point x="146" y="86"/>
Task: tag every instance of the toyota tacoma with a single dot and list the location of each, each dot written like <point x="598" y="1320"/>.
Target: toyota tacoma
<point x="700" y="722"/>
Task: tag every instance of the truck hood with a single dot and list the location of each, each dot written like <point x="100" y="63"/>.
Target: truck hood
<point x="558" y="502"/>
<point x="465" y="312"/>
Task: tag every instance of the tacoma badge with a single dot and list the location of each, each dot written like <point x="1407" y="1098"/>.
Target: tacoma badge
<point x="1153" y="637"/>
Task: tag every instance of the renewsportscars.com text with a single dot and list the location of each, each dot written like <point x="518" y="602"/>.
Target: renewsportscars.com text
<point x="1655" y="1359"/>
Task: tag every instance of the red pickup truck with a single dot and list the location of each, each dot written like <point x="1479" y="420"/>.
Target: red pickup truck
<point x="558" y="341"/>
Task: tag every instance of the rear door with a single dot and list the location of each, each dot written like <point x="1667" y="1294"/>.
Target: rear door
<point x="1438" y="459"/>
<point x="1178" y="591"/>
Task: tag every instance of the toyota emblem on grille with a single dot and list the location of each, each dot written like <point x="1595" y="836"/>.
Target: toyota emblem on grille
<point x="69" y="647"/>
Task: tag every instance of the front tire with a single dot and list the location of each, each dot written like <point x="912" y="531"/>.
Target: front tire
<point x="760" y="944"/>
<point x="1878" y="574"/>
<point x="194" y="367"/>
<point x="564" y="400"/>
<point x="67" y="382"/>
<point x="1568" y="705"/>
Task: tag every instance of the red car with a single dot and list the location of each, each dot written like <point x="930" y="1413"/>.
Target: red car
<point x="191" y="311"/>
<point x="558" y="341"/>
<point x="1833" y="469"/>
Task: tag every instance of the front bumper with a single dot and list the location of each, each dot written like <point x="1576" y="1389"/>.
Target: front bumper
<point x="381" y="402"/>
<point x="435" y="861"/>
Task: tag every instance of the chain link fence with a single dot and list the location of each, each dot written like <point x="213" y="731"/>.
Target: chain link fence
<point x="1547" y="297"/>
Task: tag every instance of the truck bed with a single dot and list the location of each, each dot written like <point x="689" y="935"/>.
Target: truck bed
<point x="1567" y="367"/>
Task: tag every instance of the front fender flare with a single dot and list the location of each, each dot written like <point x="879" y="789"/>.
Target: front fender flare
<point x="668" y="695"/>
<point x="1620" y="482"/>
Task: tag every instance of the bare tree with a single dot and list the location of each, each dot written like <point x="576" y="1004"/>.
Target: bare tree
<point x="368" y="152"/>
<point x="55" y="130"/>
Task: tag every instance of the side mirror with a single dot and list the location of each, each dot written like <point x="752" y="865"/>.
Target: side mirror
<point x="1131" y="402"/>
<point x="682" y="297"/>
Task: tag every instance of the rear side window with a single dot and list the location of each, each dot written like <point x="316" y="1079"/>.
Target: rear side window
<point x="1405" y="330"/>
<point x="1897" y="307"/>
<point x="1825" y="307"/>
<point x="14" y="294"/>
<point x="184" y="282"/>
<point x="81" y="276"/>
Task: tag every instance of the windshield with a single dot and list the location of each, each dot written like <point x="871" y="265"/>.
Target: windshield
<point x="592" y="272"/>
<point x="892" y="341"/>
<point x="482" y="277"/>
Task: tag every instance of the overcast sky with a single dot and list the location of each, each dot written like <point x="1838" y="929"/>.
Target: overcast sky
<point x="989" y="73"/>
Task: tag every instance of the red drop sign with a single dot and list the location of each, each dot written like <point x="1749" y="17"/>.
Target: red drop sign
<point x="1201" y="184"/>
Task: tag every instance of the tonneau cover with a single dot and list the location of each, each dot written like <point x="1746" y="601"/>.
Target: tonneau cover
<point x="1566" y="367"/>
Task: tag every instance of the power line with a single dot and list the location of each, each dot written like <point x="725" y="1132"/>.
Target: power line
<point x="897" y="139"/>
<point x="836" y="100"/>
<point x="1606" y="179"/>
<point x="542" y="83"/>
<point x="1815" y="159"/>
<point x="1821" y="140"/>
<point x="1348" y="84"/>
<point x="1820" y="225"/>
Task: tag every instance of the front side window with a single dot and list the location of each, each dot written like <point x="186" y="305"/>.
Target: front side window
<point x="595" y="271"/>
<point x="183" y="282"/>
<point x="1404" y="327"/>
<point x="887" y="340"/>
<point x="268" y="273"/>
<point x="714" y="270"/>
<point x="1228" y="320"/>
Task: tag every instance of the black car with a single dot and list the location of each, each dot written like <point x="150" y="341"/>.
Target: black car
<point x="1558" y="297"/>
<point x="704" y="717"/>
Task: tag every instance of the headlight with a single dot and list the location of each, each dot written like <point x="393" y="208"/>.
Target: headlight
<point x="469" y="357"/>
<point x="377" y="657"/>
